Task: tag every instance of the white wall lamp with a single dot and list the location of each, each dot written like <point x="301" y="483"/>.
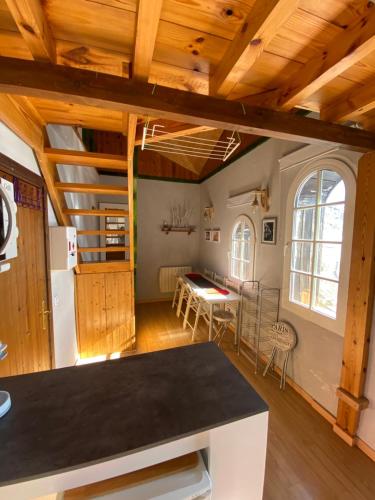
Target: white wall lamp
<point x="260" y="199"/>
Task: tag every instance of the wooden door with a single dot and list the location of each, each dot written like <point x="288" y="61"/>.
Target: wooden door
<point x="105" y="313"/>
<point x="120" y="310"/>
<point x="24" y="293"/>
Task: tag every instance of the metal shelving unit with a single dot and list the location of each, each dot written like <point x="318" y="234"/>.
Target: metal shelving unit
<point x="259" y="311"/>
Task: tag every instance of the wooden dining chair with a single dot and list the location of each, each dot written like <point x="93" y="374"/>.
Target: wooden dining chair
<point x="219" y="279"/>
<point x="183" y="298"/>
<point x="208" y="273"/>
<point x="196" y="308"/>
<point x="177" y="291"/>
<point x="233" y="285"/>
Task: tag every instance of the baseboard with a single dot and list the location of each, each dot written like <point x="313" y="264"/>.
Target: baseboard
<point x="362" y="445"/>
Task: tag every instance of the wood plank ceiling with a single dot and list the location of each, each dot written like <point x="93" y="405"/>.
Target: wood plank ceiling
<point x="281" y="54"/>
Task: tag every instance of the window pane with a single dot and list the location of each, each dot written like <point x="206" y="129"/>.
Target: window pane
<point x="246" y="250"/>
<point x="303" y="224"/>
<point x="300" y="288"/>
<point x="332" y="187"/>
<point x="244" y="270"/>
<point x="327" y="260"/>
<point x="307" y="194"/>
<point x="330" y="223"/>
<point x="236" y="268"/>
<point x="237" y="233"/>
<point x="236" y="249"/>
<point x="324" y="298"/>
<point x="302" y="257"/>
<point x="246" y="233"/>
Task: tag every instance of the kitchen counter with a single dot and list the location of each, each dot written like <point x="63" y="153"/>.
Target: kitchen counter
<point x="65" y="420"/>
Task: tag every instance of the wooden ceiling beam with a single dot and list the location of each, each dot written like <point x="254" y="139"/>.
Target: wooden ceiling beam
<point x="73" y="85"/>
<point x="351" y="105"/>
<point x="23" y="123"/>
<point x="148" y="16"/>
<point x="258" y="29"/>
<point x="346" y="49"/>
<point x="34" y="28"/>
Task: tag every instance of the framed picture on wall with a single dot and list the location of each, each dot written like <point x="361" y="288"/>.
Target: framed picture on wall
<point x="207" y="235"/>
<point x="215" y="235"/>
<point x="269" y="230"/>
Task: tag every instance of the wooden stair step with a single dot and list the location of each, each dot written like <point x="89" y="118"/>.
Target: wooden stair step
<point x="70" y="187"/>
<point x="95" y="232"/>
<point x="103" y="249"/>
<point x="96" y="212"/>
<point x="85" y="159"/>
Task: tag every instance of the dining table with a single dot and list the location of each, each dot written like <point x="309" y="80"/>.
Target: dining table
<point x="214" y="294"/>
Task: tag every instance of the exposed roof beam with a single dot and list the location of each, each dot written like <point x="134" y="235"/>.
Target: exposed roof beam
<point x="256" y="32"/>
<point x="148" y="15"/>
<point x="111" y="92"/>
<point x="18" y="119"/>
<point x="345" y="50"/>
<point x="32" y="23"/>
<point x="350" y="105"/>
<point x="132" y="127"/>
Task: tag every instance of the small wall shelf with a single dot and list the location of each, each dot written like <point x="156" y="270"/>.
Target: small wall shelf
<point x="175" y="229"/>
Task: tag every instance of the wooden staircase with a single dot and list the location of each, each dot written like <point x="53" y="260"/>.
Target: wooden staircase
<point x="104" y="287"/>
<point x="107" y="162"/>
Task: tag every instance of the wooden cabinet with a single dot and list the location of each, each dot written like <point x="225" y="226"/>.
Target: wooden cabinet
<point x="105" y="313"/>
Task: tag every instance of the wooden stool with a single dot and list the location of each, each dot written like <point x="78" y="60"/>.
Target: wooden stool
<point x="223" y="318"/>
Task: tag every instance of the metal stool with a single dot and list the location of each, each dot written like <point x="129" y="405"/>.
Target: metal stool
<point x="223" y="318"/>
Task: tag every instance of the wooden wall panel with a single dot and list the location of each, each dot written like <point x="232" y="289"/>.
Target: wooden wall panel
<point x="105" y="313"/>
<point x="91" y="314"/>
<point x="360" y="303"/>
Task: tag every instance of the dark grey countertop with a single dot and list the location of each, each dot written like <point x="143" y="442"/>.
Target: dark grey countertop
<point x="71" y="417"/>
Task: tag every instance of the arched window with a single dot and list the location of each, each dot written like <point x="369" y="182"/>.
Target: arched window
<point x="317" y="243"/>
<point x="242" y="249"/>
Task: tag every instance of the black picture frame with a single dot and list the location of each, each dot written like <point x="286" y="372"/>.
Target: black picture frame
<point x="269" y="231"/>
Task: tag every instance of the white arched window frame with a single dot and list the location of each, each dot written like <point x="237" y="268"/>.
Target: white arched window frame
<point x="335" y="323"/>
<point x="242" y="249"/>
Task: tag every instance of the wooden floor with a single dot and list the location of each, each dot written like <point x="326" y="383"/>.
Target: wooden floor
<point x="305" y="460"/>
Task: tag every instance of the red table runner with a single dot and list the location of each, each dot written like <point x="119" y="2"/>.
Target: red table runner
<point x="203" y="282"/>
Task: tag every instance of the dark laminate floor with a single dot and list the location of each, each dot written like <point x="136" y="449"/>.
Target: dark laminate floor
<point x="306" y="460"/>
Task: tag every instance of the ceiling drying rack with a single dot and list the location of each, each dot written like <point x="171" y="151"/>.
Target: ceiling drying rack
<point x="188" y="145"/>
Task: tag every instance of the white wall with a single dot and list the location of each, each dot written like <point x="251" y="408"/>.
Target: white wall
<point x="62" y="282"/>
<point x="316" y="361"/>
<point x="154" y="248"/>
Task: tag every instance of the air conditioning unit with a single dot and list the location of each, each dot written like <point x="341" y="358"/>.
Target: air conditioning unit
<point x="8" y="225"/>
